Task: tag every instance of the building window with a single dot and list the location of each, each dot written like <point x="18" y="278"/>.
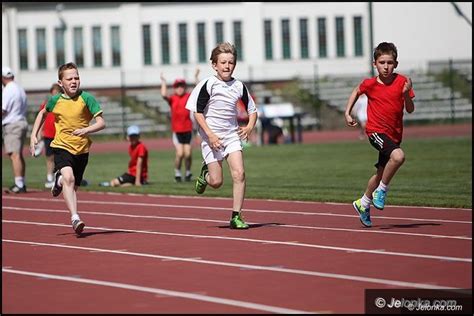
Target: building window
<point x="165" y="44"/>
<point x="115" y="38"/>
<point x="358" y="46"/>
<point x="285" y="35"/>
<point x="78" y="47"/>
<point x="219" y="32"/>
<point x="238" y="39"/>
<point x="340" y="48"/>
<point x="201" y="35"/>
<point x="304" y="53"/>
<point x="23" y="48"/>
<point x="41" y="48"/>
<point x="267" y="29"/>
<point x="59" y="46"/>
<point x="97" y="45"/>
<point x="146" y="44"/>
<point x="322" y="42"/>
<point x="183" y="42"/>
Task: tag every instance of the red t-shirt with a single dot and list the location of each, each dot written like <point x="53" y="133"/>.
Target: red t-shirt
<point x="385" y="106"/>
<point x="180" y="119"/>
<point x="139" y="150"/>
<point x="48" y="127"/>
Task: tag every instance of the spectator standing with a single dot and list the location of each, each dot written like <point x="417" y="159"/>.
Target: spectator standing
<point x="14" y="127"/>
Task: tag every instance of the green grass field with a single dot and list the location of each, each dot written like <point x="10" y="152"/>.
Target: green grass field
<point x="437" y="172"/>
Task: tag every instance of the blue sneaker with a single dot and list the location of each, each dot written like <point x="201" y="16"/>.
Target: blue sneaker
<point x="379" y="199"/>
<point x="364" y="214"/>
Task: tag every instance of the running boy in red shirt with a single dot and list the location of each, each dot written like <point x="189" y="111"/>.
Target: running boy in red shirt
<point x="181" y="125"/>
<point x="48" y="135"/>
<point x="137" y="173"/>
<point x="389" y="94"/>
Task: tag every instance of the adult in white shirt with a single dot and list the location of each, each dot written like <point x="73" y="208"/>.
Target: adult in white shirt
<point x="14" y="127"/>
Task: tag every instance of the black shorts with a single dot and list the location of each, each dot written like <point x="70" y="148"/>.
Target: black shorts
<point x="78" y="163"/>
<point x="385" y="145"/>
<point x="47" y="146"/>
<point x="128" y="178"/>
<point x="184" y="138"/>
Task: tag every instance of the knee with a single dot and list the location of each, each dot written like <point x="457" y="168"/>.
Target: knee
<point x="238" y="176"/>
<point x="68" y="180"/>
<point x="215" y="182"/>
<point x="398" y="156"/>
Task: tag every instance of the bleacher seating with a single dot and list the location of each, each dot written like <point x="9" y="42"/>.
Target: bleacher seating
<point x="432" y="101"/>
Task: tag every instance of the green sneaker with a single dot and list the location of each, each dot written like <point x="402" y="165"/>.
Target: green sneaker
<point x="364" y="214"/>
<point x="201" y="182"/>
<point x="237" y="222"/>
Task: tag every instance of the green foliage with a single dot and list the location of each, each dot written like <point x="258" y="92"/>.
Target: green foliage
<point x="437" y="172"/>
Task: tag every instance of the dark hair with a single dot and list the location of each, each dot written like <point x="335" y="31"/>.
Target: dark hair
<point x="64" y="67"/>
<point x="385" y="48"/>
<point x="55" y="86"/>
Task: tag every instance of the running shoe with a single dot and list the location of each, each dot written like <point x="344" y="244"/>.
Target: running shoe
<point x="78" y="226"/>
<point x="379" y="199"/>
<point x="201" y="182"/>
<point x="364" y="214"/>
<point x="56" y="189"/>
<point x="188" y="178"/>
<point x="16" y="189"/>
<point x="237" y="222"/>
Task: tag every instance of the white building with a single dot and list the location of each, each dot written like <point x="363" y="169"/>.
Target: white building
<point x="130" y="43"/>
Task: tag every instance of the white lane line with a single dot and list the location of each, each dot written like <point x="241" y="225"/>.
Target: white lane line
<point x="186" y="295"/>
<point x="245" y="210"/>
<point x="261" y="241"/>
<point x="247" y="266"/>
<point x="226" y="222"/>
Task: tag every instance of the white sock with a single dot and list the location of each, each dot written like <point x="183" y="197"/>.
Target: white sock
<point x="188" y="172"/>
<point x="177" y="173"/>
<point x="49" y="177"/>
<point x="74" y="217"/>
<point x="383" y="186"/>
<point x="365" y="201"/>
<point x="20" y="182"/>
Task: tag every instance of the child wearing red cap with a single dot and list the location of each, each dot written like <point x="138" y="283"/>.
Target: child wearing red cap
<point x="181" y="125"/>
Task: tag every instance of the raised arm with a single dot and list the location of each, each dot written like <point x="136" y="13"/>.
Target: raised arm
<point x="164" y="88"/>
<point x="97" y="126"/>
<point x="409" y="105"/>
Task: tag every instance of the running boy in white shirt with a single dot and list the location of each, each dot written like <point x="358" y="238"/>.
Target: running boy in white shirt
<point x="214" y="103"/>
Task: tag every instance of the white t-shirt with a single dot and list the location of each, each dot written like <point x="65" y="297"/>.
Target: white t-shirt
<point x="361" y="108"/>
<point x="217" y="101"/>
<point x="13" y="103"/>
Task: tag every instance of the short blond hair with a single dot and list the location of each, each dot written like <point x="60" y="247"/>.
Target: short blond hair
<point x="223" y="48"/>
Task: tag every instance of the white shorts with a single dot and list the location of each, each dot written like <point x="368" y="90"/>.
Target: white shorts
<point x="230" y="144"/>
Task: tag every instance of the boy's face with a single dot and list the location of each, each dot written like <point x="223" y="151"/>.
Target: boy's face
<point x="133" y="139"/>
<point x="385" y="65"/>
<point x="225" y="66"/>
<point x="179" y="90"/>
<point x="70" y="82"/>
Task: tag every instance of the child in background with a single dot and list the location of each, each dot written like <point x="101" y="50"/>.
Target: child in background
<point x="389" y="94"/>
<point x="73" y="110"/>
<point x="214" y="103"/>
<point x="137" y="173"/>
<point x="48" y="135"/>
<point x="181" y="125"/>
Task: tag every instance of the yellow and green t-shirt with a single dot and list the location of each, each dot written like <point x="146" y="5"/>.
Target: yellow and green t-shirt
<point x="71" y="114"/>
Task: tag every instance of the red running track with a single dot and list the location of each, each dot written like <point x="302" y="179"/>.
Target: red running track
<point x="164" y="254"/>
